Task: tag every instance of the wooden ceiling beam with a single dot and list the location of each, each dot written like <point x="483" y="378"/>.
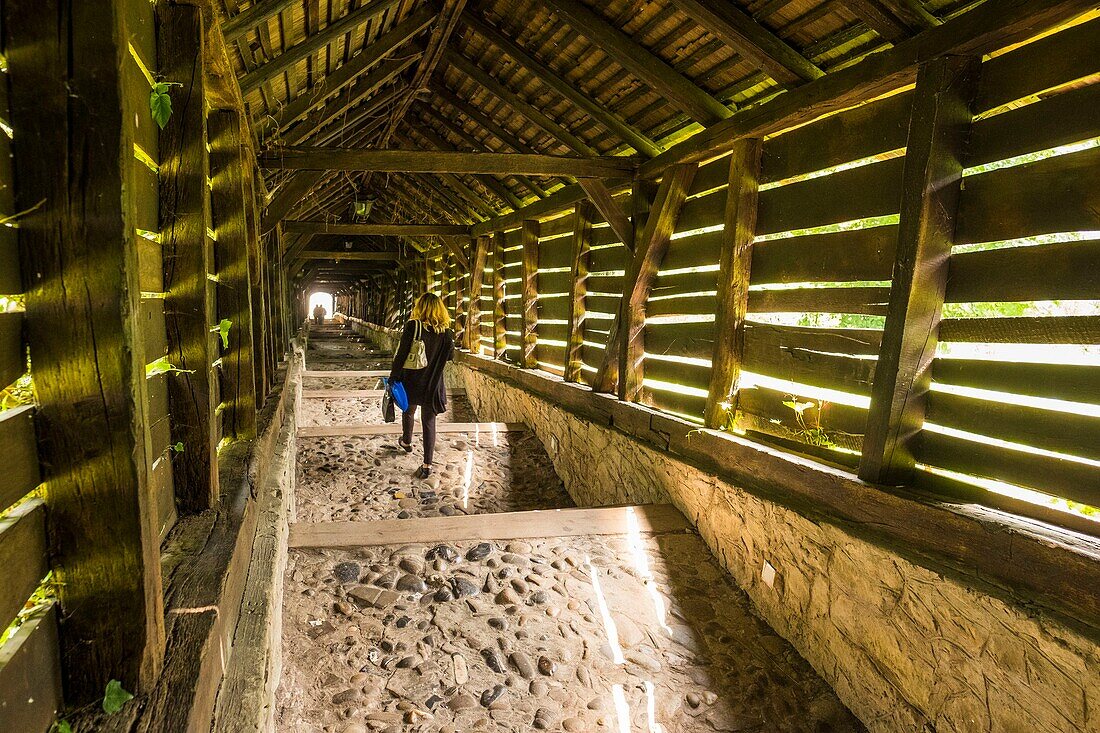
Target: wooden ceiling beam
<point x="315" y="254"/>
<point x="311" y="45"/>
<point x="247" y="20"/>
<point x="492" y="85"/>
<point x="613" y="214"/>
<point x="383" y="230"/>
<point x="439" y="161"/>
<point x="751" y="40"/>
<point x="642" y="63"/>
<point x="626" y="132"/>
<point x="351" y="71"/>
<point x="491" y="183"/>
<point x="449" y="196"/>
<point x="288" y="196"/>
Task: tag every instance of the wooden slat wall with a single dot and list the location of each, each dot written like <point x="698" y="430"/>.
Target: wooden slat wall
<point x="555" y="255"/>
<point x="608" y="258"/>
<point x="1047" y="446"/>
<point x="513" y="288"/>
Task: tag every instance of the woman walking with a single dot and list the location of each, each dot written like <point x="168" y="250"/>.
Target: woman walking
<point x="430" y="326"/>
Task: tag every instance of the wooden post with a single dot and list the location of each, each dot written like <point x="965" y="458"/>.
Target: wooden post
<point x="189" y="307"/>
<point x="460" y="311"/>
<point x="256" y="259"/>
<point x="229" y="205"/>
<point x="477" y="274"/>
<point x="733" y="281"/>
<point x="530" y="238"/>
<point x="500" y="338"/>
<point x="938" y="130"/>
<point x="578" y="286"/>
<point x="649" y="251"/>
<point x="74" y="163"/>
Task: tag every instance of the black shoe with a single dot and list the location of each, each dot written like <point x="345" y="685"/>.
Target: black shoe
<point x="407" y="447"/>
<point x="423" y="472"/>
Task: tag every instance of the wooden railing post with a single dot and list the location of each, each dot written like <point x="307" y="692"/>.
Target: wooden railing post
<point x="78" y="248"/>
<point x="188" y="260"/>
<point x="256" y="259"/>
<point x="530" y="238"/>
<point x="477" y="274"/>
<point x="733" y="281"/>
<point x="578" y="286"/>
<point x="228" y="205"/>
<point x="500" y="338"/>
<point x="938" y="130"/>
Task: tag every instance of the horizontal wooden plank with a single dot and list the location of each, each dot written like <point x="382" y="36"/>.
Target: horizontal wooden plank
<point x="347" y="373"/>
<point x="1042" y="64"/>
<point x="779" y="353"/>
<point x="553" y="308"/>
<point x="439" y="161"/>
<point x="676" y="402"/>
<point x="830" y="340"/>
<point x="676" y="372"/>
<point x="693" y="251"/>
<point x="829" y="416"/>
<point x="682" y="306"/>
<point x="23" y="557"/>
<point x="1060" y="194"/>
<point x="1040" y="330"/>
<point x="558" y="253"/>
<point x="1062" y="432"/>
<point x="554" y="228"/>
<point x="554" y="331"/>
<point x="1048" y="123"/>
<point x="553" y="282"/>
<point x="1073" y="382"/>
<point x="1064" y="271"/>
<point x="1054" y="476"/>
<point x="20" y="455"/>
<point x="855" y="134"/>
<point x="862" y="254"/>
<point x="646" y="518"/>
<point x="857" y="193"/>
<point x="350" y="394"/>
<point x="10" y="282"/>
<point x="13" y="356"/>
<point x="30" y="675"/>
<point x="704" y="211"/>
<point x="683" y="283"/>
<point x="338" y="431"/>
<point x="711" y="175"/>
<point x="682" y="339"/>
<point x="867" y="301"/>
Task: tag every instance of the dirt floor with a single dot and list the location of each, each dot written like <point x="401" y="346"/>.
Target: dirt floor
<point x="638" y="632"/>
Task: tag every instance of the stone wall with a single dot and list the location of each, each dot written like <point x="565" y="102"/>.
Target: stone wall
<point x="907" y="648"/>
<point x="387" y="339"/>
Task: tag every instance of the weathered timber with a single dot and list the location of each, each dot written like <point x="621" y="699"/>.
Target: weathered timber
<point x="477" y="274"/>
<point x="578" y="286"/>
<point x="21" y="454"/>
<point x="680" y="90"/>
<point x="751" y="40"/>
<point x="443" y="161"/>
<point x="530" y="293"/>
<point x="500" y="338"/>
<point x="228" y="202"/>
<point x="312" y="254"/>
<point x="933" y="176"/>
<point x="23" y="556"/>
<point x="735" y="262"/>
<point x="613" y="214"/>
<point x="312" y="44"/>
<point x="189" y="303"/>
<point x="79" y="262"/>
<point x="246" y="20"/>
<point x="30" y="675"/>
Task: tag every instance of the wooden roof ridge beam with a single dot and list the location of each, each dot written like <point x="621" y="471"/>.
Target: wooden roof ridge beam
<point x="446" y="22"/>
<point x="312" y="44"/>
<point x="751" y="40"/>
<point x="442" y="161"/>
<point x="353" y="69"/>
<point x="985" y="28"/>
<point x="495" y="87"/>
<point x="316" y="254"/>
<point x="626" y="132"/>
<point x="641" y="62"/>
<point x="380" y="230"/>
<point x="246" y="20"/>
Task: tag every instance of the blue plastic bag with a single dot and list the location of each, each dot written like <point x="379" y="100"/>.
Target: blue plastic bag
<point x="399" y="397"/>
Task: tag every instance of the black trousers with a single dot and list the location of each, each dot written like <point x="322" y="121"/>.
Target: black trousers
<point x="428" y="421"/>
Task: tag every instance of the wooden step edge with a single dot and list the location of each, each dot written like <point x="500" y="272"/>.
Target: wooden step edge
<point x="624" y="520"/>
<point x="347" y="394"/>
<point x="319" y="373"/>
<point x="340" y="431"/>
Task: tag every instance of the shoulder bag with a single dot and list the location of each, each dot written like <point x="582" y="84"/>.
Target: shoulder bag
<point x="417" y="358"/>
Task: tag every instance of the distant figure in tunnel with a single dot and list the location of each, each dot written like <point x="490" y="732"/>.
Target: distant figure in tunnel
<point x="428" y="333"/>
<point x="319" y="312"/>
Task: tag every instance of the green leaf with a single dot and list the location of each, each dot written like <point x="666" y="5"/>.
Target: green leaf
<point x="178" y="447"/>
<point x="797" y="406"/>
<point x="163" y="366"/>
<point x="62" y="726"/>
<point x="115" y="697"/>
<point x="160" y="103"/>
<point x="223" y="330"/>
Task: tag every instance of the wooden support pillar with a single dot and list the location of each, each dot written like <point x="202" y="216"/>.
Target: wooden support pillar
<point x="461" y="312"/>
<point x="733" y="281"/>
<point x="189" y="305"/>
<point x="578" y="287"/>
<point x="477" y="274"/>
<point x="500" y="324"/>
<point x="228" y="205"/>
<point x="649" y="251"/>
<point x="79" y="253"/>
<point x="256" y="259"/>
<point x="938" y="130"/>
<point x="530" y="238"/>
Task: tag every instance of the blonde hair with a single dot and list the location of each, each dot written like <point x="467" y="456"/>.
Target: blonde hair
<point x="429" y="309"/>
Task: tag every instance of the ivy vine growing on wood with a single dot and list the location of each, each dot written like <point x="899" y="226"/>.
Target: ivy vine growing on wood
<point x="160" y="102"/>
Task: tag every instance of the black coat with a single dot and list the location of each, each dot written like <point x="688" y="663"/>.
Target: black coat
<point x="424" y="386"/>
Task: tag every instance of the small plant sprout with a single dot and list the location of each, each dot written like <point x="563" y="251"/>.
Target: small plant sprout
<point x="160" y="102"/>
<point x="163" y="366"/>
<point x="223" y="331"/>
<point x="178" y="447"/>
<point x="115" y="697"/>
